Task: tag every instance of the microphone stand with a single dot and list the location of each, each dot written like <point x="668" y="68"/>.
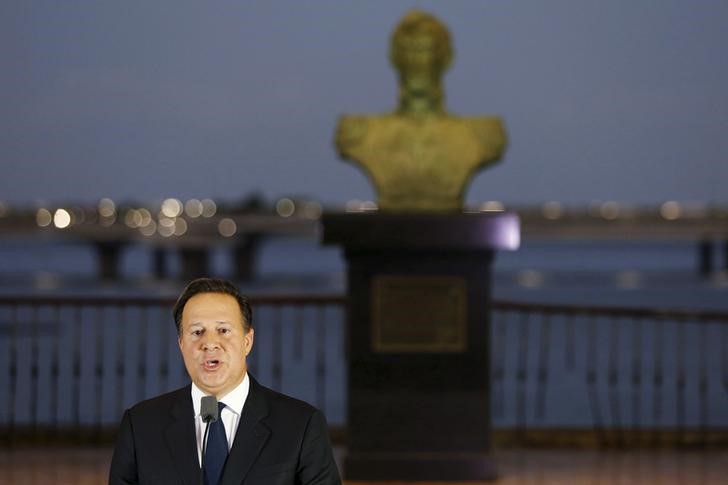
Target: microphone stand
<point x="204" y="445"/>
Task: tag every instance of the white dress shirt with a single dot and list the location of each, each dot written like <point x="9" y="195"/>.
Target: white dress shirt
<point x="230" y="415"/>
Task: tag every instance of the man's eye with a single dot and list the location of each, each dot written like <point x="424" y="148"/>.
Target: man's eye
<point x="197" y="333"/>
<point x="224" y="330"/>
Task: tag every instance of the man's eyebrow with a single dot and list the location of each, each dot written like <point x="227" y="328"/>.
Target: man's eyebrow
<point x="216" y="322"/>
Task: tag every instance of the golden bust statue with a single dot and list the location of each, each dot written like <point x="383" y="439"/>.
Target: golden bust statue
<point x="420" y="158"/>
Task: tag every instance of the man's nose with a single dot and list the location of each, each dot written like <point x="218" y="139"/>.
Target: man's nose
<point x="210" y="343"/>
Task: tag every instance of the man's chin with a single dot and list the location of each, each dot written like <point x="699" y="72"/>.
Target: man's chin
<point x="211" y="386"/>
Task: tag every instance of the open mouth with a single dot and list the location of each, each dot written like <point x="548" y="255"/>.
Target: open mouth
<point x="211" y="364"/>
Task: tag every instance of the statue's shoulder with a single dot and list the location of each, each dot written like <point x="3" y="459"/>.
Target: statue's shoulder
<point x="354" y="129"/>
<point x="490" y="131"/>
<point x="485" y="124"/>
<point x="348" y="122"/>
<point x="351" y="129"/>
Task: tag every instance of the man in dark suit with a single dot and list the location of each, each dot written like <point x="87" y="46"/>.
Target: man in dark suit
<point x="268" y="438"/>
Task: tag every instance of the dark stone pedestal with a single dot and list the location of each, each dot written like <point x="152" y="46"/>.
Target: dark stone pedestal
<point x="419" y="294"/>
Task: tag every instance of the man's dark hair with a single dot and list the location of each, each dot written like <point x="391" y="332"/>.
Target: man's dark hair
<point x="212" y="285"/>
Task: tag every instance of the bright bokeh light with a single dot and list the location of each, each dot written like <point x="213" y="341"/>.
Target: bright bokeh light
<point x="146" y="217"/>
<point x="492" y="206"/>
<point x="107" y="208"/>
<point x="108" y="221"/>
<point x="670" y="210"/>
<point x="368" y="205"/>
<point x="628" y="280"/>
<point x="227" y="227"/>
<point x="180" y="226"/>
<point x="193" y="208"/>
<point x="149" y="229"/>
<point x="43" y="217"/>
<point x="609" y="210"/>
<point x="552" y="210"/>
<point x="172" y="207"/>
<point x="508" y="233"/>
<point x="165" y="231"/>
<point x="285" y="207"/>
<point x="353" y="205"/>
<point x="356" y="205"/>
<point x="209" y="208"/>
<point x="530" y="279"/>
<point x="133" y="218"/>
<point x="61" y="219"/>
<point x="166" y="221"/>
<point x="312" y="210"/>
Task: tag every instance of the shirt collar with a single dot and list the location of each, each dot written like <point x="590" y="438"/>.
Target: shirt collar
<point x="234" y="400"/>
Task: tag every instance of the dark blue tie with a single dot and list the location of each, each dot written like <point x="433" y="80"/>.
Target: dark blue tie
<point x="217" y="449"/>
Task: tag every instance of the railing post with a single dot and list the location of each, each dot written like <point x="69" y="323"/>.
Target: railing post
<point x="705" y="257"/>
<point x="637" y="378"/>
<point x="195" y="262"/>
<point x="159" y="263"/>
<point x="244" y="256"/>
<point x="108" y="255"/>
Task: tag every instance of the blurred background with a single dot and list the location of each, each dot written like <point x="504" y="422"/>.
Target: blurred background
<point x="603" y="101"/>
<point x="145" y="143"/>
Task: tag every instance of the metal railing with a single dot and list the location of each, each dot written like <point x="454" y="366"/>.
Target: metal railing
<point x="630" y="376"/>
<point x="70" y="366"/>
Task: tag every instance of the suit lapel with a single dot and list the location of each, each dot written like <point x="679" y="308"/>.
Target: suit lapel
<point x="251" y="436"/>
<point x="181" y="439"/>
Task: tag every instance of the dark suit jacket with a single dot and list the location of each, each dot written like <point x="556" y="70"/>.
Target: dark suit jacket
<point x="280" y="440"/>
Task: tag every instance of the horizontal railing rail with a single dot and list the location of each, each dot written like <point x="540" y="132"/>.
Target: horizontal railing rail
<point x="69" y="366"/>
<point x="610" y="311"/>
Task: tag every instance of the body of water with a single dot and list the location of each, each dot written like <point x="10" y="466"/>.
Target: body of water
<point x="662" y="275"/>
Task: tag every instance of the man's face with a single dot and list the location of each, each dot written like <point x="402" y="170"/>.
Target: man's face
<point x="214" y="343"/>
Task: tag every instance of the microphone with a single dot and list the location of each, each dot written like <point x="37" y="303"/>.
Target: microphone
<point x="209" y="413"/>
<point x="208" y="409"/>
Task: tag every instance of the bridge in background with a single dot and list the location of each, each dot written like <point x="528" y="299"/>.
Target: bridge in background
<point x="192" y="230"/>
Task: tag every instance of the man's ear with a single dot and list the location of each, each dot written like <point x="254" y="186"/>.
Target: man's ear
<point x="248" y="339"/>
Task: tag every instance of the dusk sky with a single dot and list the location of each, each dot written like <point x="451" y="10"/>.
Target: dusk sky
<point x="622" y="100"/>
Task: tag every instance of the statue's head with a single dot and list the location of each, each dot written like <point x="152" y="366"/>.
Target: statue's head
<point x="421" y="51"/>
<point x="420" y="41"/>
